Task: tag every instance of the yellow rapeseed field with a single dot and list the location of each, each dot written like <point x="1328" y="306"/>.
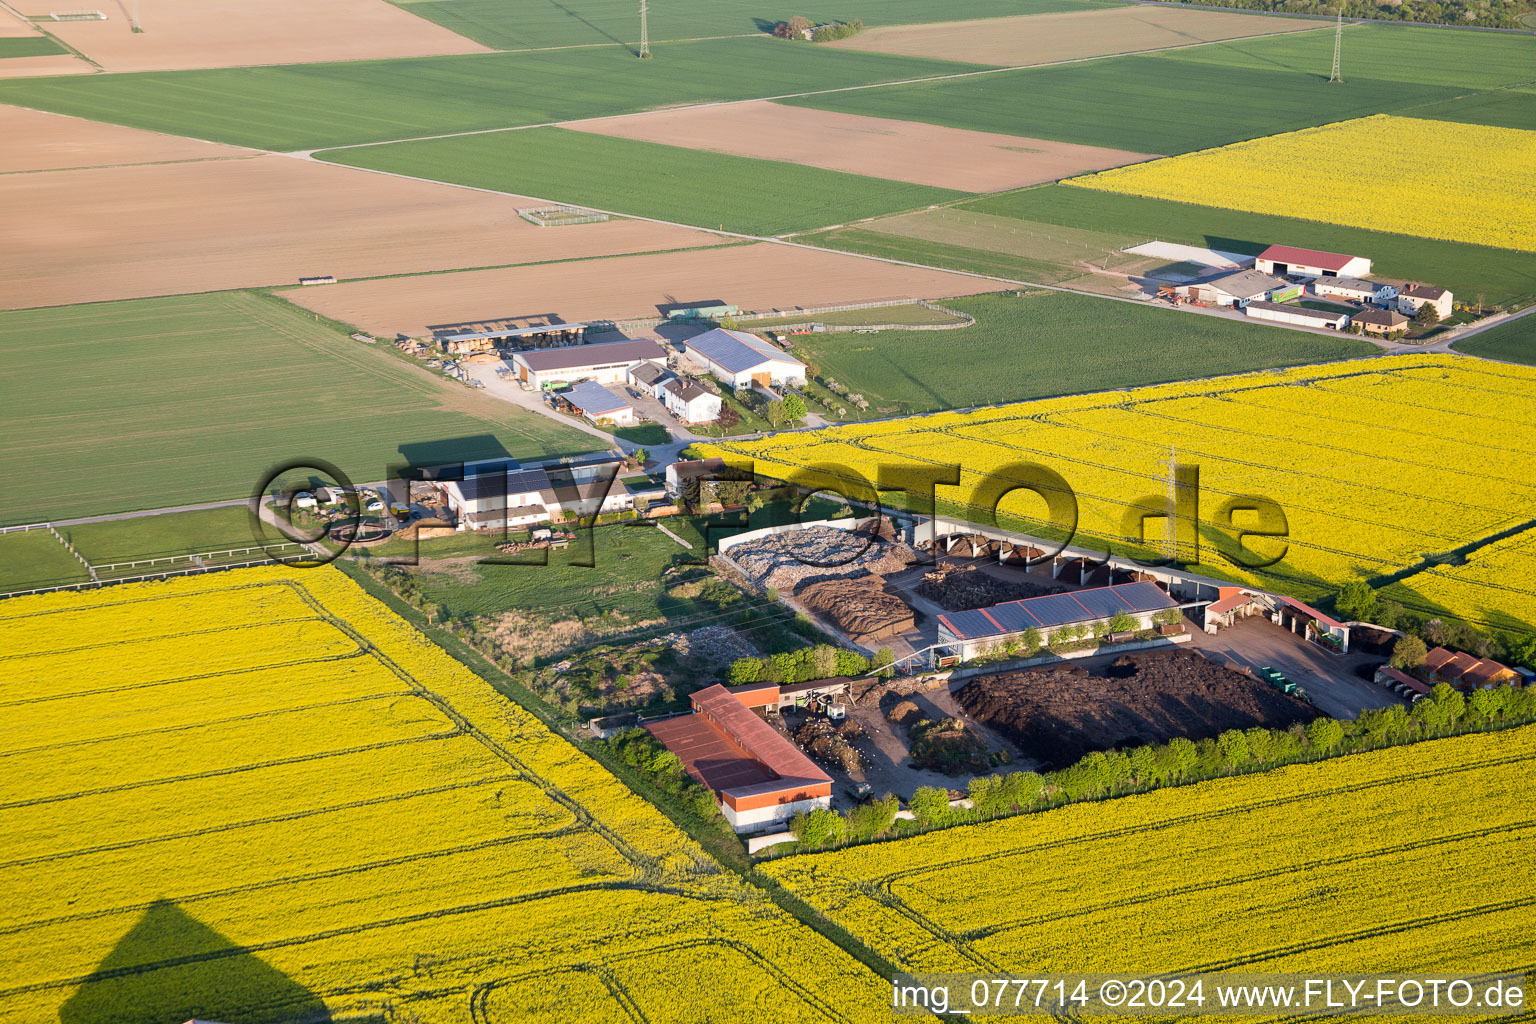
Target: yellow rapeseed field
<point x="1375" y="463"/>
<point x="1437" y="179"/>
<point x="261" y="797"/>
<point x="1356" y="864"/>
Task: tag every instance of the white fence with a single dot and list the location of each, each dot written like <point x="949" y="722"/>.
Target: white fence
<point x="192" y="570"/>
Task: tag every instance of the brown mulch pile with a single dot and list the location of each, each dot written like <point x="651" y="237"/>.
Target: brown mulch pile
<point x="958" y="588"/>
<point x="1058" y="713"/>
<point x="828" y="742"/>
<point x="859" y="606"/>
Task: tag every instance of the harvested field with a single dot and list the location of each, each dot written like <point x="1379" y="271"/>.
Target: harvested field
<point x="859" y="607"/>
<point x="881" y="147"/>
<point x="787" y="560"/>
<point x="48" y="142"/>
<point x="224" y="33"/>
<point x="762" y="277"/>
<point x="45" y="65"/>
<point x="958" y="588"/>
<point x="15" y="28"/>
<point x="1059" y="713"/>
<point x="124" y="232"/>
<point x="1046" y="38"/>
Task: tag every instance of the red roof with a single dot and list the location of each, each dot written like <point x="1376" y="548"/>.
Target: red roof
<point x="1306" y="257"/>
<point x="707" y="755"/>
<point x="1231" y="601"/>
<point x="1484" y="673"/>
<point x="1403" y="678"/>
<point x="732" y="751"/>
<point x="1437" y="657"/>
<point x="1319" y="616"/>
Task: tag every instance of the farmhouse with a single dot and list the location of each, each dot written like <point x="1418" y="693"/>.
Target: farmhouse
<point x="742" y="360"/>
<point x="1381" y="321"/>
<point x="1236" y="289"/>
<point x="1411" y="299"/>
<point x="502" y="500"/>
<point x="1300" y="316"/>
<point x="1465" y="671"/>
<point x="607" y="363"/>
<point x="689" y="402"/>
<point x="1353" y="288"/>
<point x="969" y="633"/>
<point x="1281" y="260"/>
<point x="595" y="402"/>
<point x="758" y="776"/>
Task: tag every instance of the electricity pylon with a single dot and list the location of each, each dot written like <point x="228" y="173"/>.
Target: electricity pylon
<point x="1338" y="49"/>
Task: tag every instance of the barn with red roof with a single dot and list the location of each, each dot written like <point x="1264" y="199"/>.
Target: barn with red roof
<point x="1280" y="260"/>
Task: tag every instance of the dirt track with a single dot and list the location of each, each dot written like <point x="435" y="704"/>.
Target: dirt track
<point x="230" y="33"/>
<point x="1057" y="714"/>
<point x="1041" y="38"/>
<point x="901" y="150"/>
<point x="154" y="229"/>
<point x="38" y="141"/>
<point x="760" y="277"/>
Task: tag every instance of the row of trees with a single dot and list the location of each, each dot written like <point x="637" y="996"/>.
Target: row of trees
<point x="1483" y="13"/>
<point x="822" y="661"/>
<point x="1359" y="601"/>
<point x="802" y="28"/>
<point x="1108" y="773"/>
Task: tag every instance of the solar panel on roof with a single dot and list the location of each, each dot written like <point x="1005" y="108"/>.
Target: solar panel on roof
<point x="970" y="624"/>
<point x="1014" y="616"/>
<point x="1102" y="604"/>
<point x="1145" y="596"/>
<point x="1056" y="609"/>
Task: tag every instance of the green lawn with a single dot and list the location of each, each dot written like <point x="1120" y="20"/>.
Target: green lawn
<point x="1507" y="108"/>
<point x="535" y="23"/>
<point x="1501" y="274"/>
<point x="1146" y="104"/>
<point x="36" y="559"/>
<point x="175" y="533"/>
<point x="644" y="433"/>
<point x="309" y="106"/>
<point x="154" y="402"/>
<point x="1052" y="344"/>
<point x="1514" y="341"/>
<point x="1420" y="55"/>
<point x="29" y="46"/>
<point x="940" y="254"/>
<point x="906" y="313"/>
<point x="690" y="186"/>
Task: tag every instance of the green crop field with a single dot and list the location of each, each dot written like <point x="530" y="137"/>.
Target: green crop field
<point x="971" y="259"/>
<point x="536" y="23"/>
<point x="156" y="402"/>
<point x="759" y="197"/>
<point x="309" y="106"/>
<point x="29" y="46"/>
<point x="1514" y="342"/>
<point x="1505" y="108"/>
<point x="1501" y="275"/>
<point x="175" y="533"/>
<point x="1053" y="343"/>
<point x="1146" y="104"/>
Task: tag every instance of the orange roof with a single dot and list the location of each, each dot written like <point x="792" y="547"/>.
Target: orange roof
<point x="1458" y="665"/>
<point x="1229" y="602"/>
<point x="1306" y="257"/>
<point x="1403" y="678"/>
<point x="1437" y="657"/>
<point x="1485" y="673"/>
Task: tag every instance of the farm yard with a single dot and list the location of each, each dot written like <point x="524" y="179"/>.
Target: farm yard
<point x="203" y="225"/>
<point x="881" y="147"/>
<point x="1326" y="174"/>
<point x="1050" y="38"/>
<point x="759" y="276"/>
<point x="948" y="901"/>
<point x="647" y="179"/>
<point x="181" y="34"/>
<point x="1364" y="493"/>
<point x="238" y="888"/>
<point x="195" y="398"/>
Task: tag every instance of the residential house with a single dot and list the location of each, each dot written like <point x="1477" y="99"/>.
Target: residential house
<point x="689" y="402"/>
<point x="1380" y="321"/>
<point x="1416" y="296"/>
<point x="1354" y="289"/>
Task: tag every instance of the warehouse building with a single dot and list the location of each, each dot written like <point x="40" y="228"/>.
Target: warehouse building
<point x="1237" y="289"/>
<point x="969" y="633"/>
<point x="1298" y="316"/>
<point x="1416" y="296"/>
<point x="743" y="360"/>
<point x="607" y="363"/>
<point x="596" y="403"/>
<point x="1281" y="260"/>
<point x="760" y="779"/>
<point x="1381" y="321"/>
<point x="1353" y="288"/>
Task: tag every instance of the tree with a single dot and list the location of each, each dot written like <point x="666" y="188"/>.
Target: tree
<point x="1426" y="315"/>
<point x="1324" y="735"/>
<point x="1409" y="653"/>
<point x="1357" y="601"/>
<point x="815" y="828"/>
<point x="930" y="805"/>
<point x="798" y="26"/>
<point x="728" y="417"/>
<point x="1122" y="622"/>
<point x="794" y="408"/>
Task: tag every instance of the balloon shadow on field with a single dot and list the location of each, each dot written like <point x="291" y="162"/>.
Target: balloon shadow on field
<point x="170" y="968"/>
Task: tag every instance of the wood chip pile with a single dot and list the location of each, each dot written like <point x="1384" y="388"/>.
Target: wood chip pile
<point x="788" y="559"/>
<point x="957" y="588"/>
<point x="860" y="607"/>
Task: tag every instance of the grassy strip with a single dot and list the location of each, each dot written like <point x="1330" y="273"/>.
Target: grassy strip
<point x="29" y="46"/>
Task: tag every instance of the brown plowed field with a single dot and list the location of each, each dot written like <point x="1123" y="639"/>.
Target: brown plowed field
<point x="762" y="277"/>
<point x="926" y="154"/>
<point x="49" y="64"/>
<point x="1043" y="38"/>
<point x="40" y="141"/>
<point x="1058" y="713"/>
<point x="163" y="229"/>
<point x="231" y="33"/>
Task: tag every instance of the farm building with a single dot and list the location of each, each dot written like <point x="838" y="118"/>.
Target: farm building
<point x="969" y="633"/>
<point x="705" y="309"/>
<point x="1236" y="289"/>
<point x="759" y="777"/>
<point x="1402" y="682"/>
<point x="595" y="402"/>
<point x="607" y="363"/>
<point x="1300" y="316"/>
<point x="1466" y="671"/>
<point x="649" y="377"/>
<point x="1281" y="260"/>
<point x="743" y="360"/>
<point x="1353" y="288"/>
<point x="792" y="695"/>
<point x="1381" y="321"/>
<point x="1412" y="298"/>
<point x="490" y="339"/>
<point x="689" y="402"/>
<point x="509" y="498"/>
